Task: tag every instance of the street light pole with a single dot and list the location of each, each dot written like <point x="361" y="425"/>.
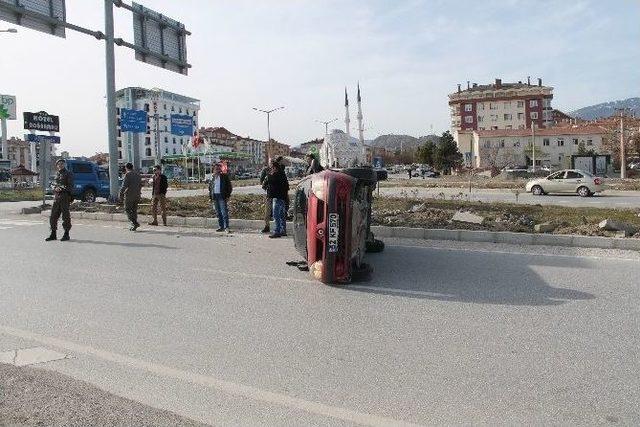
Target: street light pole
<point x="114" y="184"/>
<point x="268" y="113"/>
<point x="326" y="125"/>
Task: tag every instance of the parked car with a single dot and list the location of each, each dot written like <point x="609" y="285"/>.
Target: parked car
<point x="89" y="180"/>
<point x="332" y="222"/>
<point x="567" y="181"/>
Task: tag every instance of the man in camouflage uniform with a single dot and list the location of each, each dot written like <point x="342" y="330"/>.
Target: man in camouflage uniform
<point x="62" y="188"/>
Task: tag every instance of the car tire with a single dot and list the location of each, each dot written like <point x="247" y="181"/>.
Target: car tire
<point x="365" y="174"/>
<point x="89" y="196"/>
<point x="362" y="273"/>
<point x="374" y="246"/>
<point x="537" y="190"/>
<point x="584" y="191"/>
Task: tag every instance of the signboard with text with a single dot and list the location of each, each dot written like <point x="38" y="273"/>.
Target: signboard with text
<point x="7" y="107"/>
<point x="133" y="120"/>
<point x="41" y="121"/>
<point x="181" y="125"/>
<point x="51" y="139"/>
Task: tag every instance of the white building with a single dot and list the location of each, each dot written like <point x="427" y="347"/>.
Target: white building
<point x="140" y="148"/>
<point x="553" y="146"/>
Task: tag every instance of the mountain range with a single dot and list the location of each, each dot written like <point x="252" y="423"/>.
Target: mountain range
<point x="404" y="142"/>
<point x="607" y="109"/>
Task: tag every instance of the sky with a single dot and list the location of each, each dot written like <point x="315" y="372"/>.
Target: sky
<point x="408" y="55"/>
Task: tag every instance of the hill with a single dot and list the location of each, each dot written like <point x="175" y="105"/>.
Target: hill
<point x="404" y="142"/>
<point x="607" y="109"/>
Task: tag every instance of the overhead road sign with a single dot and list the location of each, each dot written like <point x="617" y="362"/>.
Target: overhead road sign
<point x="7" y="107"/>
<point x="133" y="120"/>
<point x="41" y="121"/>
<point x="48" y="16"/>
<point x="181" y="125"/>
<point x="158" y="40"/>
<point x="51" y="139"/>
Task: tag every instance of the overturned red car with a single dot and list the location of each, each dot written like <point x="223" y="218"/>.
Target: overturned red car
<point x="332" y="222"/>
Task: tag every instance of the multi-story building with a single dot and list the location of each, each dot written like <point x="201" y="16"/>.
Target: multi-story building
<point x="142" y="149"/>
<point x="501" y="106"/>
<point x="553" y="146"/>
<point x="26" y="153"/>
<point x="222" y="137"/>
<point x="274" y="149"/>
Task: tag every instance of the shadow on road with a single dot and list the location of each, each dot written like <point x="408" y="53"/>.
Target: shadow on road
<point x="123" y="244"/>
<point x="462" y="276"/>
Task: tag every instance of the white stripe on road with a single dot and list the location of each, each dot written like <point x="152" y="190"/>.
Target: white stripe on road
<point x="4" y="228"/>
<point x="229" y="387"/>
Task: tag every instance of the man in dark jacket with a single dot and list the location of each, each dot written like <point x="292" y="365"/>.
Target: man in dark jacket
<point x="268" y="203"/>
<point x="62" y="188"/>
<point x="313" y="165"/>
<point x="219" y="192"/>
<point x="159" y="195"/>
<point x="130" y="194"/>
<point x="278" y="190"/>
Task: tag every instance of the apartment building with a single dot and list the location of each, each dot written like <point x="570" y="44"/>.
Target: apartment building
<point x="501" y="106"/>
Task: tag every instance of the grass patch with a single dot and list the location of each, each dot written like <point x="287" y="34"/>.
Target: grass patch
<point x="20" y="195"/>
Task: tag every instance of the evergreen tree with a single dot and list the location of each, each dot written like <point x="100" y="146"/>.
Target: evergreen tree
<point x="446" y="155"/>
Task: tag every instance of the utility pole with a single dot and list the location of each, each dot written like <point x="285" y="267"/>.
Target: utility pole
<point x="111" y="99"/>
<point x="268" y="113"/>
<point x="326" y="124"/>
<point x="623" y="154"/>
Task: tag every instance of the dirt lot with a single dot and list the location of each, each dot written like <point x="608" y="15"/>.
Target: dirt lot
<point x="431" y="213"/>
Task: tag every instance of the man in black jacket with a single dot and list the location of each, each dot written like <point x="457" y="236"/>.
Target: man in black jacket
<point x="219" y="193"/>
<point x="130" y="194"/>
<point x="268" y="203"/>
<point x="159" y="195"/>
<point x="62" y="195"/>
<point x="278" y="190"/>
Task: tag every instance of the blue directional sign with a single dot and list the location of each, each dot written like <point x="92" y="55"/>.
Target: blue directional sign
<point x="181" y="125"/>
<point x="133" y="120"/>
<point x="32" y="137"/>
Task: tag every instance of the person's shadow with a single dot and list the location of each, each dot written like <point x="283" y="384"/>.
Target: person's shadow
<point x="465" y="276"/>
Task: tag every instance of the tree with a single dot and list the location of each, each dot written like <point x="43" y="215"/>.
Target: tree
<point x="582" y="150"/>
<point x="446" y="155"/>
<point x="426" y="152"/>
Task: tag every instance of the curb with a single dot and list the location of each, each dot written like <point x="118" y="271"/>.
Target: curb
<point x="565" y="240"/>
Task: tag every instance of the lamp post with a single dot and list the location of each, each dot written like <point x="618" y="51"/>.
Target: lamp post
<point x="268" y="113"/>
<point x="326" y="125"/>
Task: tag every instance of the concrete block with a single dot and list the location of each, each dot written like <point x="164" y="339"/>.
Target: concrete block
<point x="195" y="221"/>
<point x="176" y="220"/>
<point x="76" y="215"/>
<point x="467" y="217"/>
<point x="120" y="217"/>
<point x="514" y="238"/>
<point x="213" y="222"/>
<point x="31" y="211"/>
<point x="592" y="242"/>
<point x="90" y="215"/>
<point x="381" y="231"/>
<point x="100" y="216"/>
<point x="631" y="244"/>
<point x="544" y="228"/>
<point x="477" y="236"/>
<point x="440" y="234"/>
<point x="408" y="233"/>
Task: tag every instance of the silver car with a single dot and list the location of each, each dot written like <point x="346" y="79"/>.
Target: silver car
<point x="567" y="181"/>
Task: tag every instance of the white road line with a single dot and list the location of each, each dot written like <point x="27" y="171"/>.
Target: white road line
<point x="229" y="387"/>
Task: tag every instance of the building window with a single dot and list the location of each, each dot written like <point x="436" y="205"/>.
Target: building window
<point x="174" y="150"/>
<point x="194" y="114"/>
<point x="517" y="144"/>
<point x="468" y="107"/>
<point x="589" y="142"/>
<point x="166" y="140"/>
<point x="480" y="118"/>
<point x="146" y="107"/>
<point x="560" y="142"/>
<point x="164" y="107"/>
<point x="119" y="133"/>
<point x="180" y="111"/>
<point x="520" y="104"/>
<point x="165" y="128"/>
<point x="481" y="106"/>
<point x="534" y="115"/>
<point x="545" y="142"/>
<point x="468" y="119"/>
<point x="147" y="152"/>
<point x="173" y="108"/>
<point x="166" y="150"/>
<point x="487" y="144"/>
<point x="119" y="155"/>
<point x="508" y="117"/>
<point x="147" y="140"/>
<point x="520" y="116"/>
<point x="481" y="128"/>
<point x="533" y="103"/>
<point x="508" y="127"/>
<point x="494" y="127"/>
<point x="118" y="111"/>
<point x="119" y="144"/>
<point x="575" y="141"/>
<point x="174" y="140"/>
<point x="502" y="143"/>
<point x="506" y="104"/>
<point x="493" y="106"/>
<point x="494" y="117"/>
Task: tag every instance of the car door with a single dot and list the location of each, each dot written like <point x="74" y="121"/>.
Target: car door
<point x="571" y="181"/>
<point x="553" y="183"/>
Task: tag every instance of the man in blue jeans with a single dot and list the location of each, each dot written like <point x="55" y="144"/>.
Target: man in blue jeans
<point x="278" y="189"/>
<point x="219" y="193"/>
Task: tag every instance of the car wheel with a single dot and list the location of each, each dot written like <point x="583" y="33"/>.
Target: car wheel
<point x="374" y="246"/>
<point x="584" y="192"/>
<point x="361" y="273"/>
<point x="89" y="196"/>
<point x="364" y="174"/>
<point x="537" y="190"/>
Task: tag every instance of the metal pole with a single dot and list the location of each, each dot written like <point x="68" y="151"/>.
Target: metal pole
<point x="5" y="146"/>
<point x="43" y="161"/>
<point x="533" y="145"/>
<point x="623" y="154"/>
<point x="111" y="100"/>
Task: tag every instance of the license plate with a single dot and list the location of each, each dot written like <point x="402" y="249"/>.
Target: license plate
<point x="334" y="230"/>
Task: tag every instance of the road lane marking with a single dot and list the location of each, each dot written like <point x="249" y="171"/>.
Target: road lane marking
<point x="229" y="387"/>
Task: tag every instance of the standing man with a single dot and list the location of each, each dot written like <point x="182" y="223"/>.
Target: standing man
<point x="268" y="208"/>
<point x="130" y="194"/>
<point x="278" y="190"/>
<point x="313" y="165"/>
<point x="219" y="193"/>
<point x="159" y="195"/>
<point x="62" y="188"/>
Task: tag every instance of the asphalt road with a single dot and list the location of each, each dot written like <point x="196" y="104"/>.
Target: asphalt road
<point x="218" y="329"/>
